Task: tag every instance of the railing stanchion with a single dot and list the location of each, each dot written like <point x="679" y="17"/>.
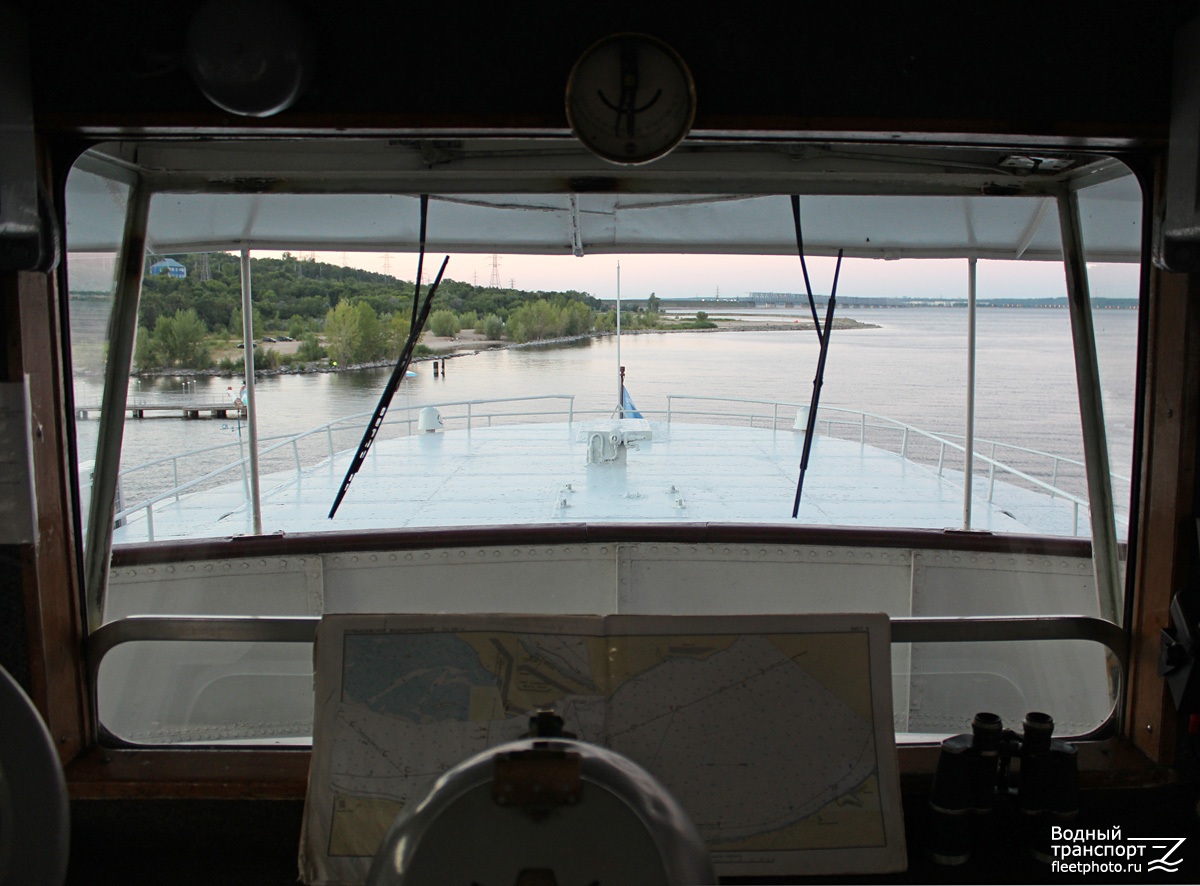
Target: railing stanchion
<point x="150" y="521"/>
<point x="941" y="457"/>
<point x="862" y="429"/>
<point x="175" y="474"/>
<point x="992" y="475"/>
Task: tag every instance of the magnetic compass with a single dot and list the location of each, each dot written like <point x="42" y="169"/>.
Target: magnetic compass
<point x="630" y="99"/>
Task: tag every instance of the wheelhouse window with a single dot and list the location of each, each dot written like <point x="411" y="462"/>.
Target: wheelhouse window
<point x="643" y="353"/>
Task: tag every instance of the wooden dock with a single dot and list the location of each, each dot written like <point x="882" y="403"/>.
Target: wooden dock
<point x="183" y="408"/>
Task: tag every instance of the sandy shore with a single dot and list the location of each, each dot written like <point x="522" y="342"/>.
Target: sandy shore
<point x="468" y="341"/>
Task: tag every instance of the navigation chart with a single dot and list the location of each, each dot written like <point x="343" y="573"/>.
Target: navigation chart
<point x="774" y="733"/>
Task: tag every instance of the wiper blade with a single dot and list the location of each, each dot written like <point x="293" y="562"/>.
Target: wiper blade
<point x="823" y="338"/>
<point x="417" y="327"/>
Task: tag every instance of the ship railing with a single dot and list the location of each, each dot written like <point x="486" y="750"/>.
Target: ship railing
<point x="944" y="450"/>
<point x="908" y="441"/>
<point x="464" y="413"/>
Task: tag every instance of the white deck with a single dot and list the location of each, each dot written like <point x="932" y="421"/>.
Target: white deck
<point x="538" y="473"/>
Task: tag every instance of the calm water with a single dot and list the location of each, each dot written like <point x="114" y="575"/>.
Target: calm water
<point x="912" y="369"/>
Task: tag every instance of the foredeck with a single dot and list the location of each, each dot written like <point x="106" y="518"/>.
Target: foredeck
<point x="538" y="473"/>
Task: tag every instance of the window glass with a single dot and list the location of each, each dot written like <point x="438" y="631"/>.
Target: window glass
<point x="718" y="345"/>
<point x="524" y="406"/>
<point x="96" y="208"/>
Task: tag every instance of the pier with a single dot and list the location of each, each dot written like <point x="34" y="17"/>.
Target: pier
<point x="169" y="408"/>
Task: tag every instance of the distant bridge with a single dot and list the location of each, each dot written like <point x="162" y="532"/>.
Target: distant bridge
<point x="750" y="300"/>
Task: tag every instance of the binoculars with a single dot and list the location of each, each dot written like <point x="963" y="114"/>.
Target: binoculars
<point x="974" y="784"/>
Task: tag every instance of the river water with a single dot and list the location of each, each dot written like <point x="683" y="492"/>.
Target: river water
<point x="911" y="368"/>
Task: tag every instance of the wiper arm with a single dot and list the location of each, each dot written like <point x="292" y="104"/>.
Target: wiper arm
<point x="418" y="325"/>
<point x="822" y="337"/>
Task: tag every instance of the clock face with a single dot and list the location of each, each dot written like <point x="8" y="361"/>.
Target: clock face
<point x="630" y="99"/>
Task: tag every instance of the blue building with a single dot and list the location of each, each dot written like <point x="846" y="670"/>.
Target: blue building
<point x="170" y="267"/>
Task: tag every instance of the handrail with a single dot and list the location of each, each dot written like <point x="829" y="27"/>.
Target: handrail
<point x="303" y="629"/>
<point x="406" y="415"/>
<point x="886" y="423"/>
<point x="328" y="427"/>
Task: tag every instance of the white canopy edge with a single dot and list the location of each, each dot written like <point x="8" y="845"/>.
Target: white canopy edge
<point x="551" y="198"/>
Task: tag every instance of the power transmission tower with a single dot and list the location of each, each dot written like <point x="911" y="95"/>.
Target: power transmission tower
<point x="387" y="263"/>
<point x="495" y="283"/>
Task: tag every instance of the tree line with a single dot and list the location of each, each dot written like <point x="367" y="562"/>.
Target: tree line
<point x="354" y="315"/>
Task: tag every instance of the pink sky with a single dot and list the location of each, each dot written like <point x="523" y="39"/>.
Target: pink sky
<point x="680" y="276"/>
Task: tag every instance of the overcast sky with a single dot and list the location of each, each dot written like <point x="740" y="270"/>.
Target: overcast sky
<point x="680" y="276"/>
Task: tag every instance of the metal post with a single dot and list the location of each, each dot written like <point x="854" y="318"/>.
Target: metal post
<point x="969" y="453"/>
<point x="620" y="368"/>
<point x="1091" y="412"/>
<point x="116" y="392"/>
<point x="251" y="404"/>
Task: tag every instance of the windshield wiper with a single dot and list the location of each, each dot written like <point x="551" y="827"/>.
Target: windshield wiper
<point x="823" y="334"/>
<point x="416" y="328"/>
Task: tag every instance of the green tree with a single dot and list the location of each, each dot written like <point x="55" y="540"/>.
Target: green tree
<point x="310" y="349"/>
<point x="396" y="333"/>
<point x="342" y="336"/>
<point x="493" y="327"/>
<point x="179" y="340"/>
<point x="298" y="327"/>
<point x="371" y="343"/>
<point x="145" y="350"/>
<point x="577" y="318"/>
<point x="653" y="303"/>
<point x="235" y="322"/>
<point x="266" y="358"/>
<point x="444" y="323"/>
<point x="536" y="321"/>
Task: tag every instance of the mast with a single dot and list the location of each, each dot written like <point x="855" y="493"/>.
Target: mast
<point x="620" y="368"/>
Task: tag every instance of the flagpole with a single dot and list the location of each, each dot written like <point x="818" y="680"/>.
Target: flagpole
<point x="620" y="379"/>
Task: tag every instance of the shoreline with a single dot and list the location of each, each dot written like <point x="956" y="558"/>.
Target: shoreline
<point x="466" y="345"/>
